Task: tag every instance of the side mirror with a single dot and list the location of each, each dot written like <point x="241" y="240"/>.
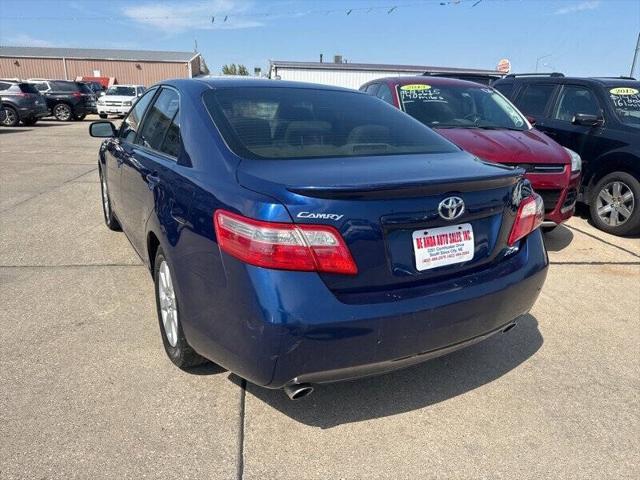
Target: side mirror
<point x="531" y="119"/>
<point x="587" y="120"/>
<point x="102" y="129"/>
<point x="102" y="93"/>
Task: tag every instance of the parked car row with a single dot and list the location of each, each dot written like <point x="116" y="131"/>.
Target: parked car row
<point x="596" y="120"/>
<point x="599" y="118"/>
<point x="28" y="101"/>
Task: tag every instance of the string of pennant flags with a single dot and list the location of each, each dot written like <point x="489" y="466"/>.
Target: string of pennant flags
<point x="228" y="17"/>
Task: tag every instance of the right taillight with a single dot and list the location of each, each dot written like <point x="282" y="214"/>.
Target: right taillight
<point x="529" y="217"/>
<point x="284" y="246"/>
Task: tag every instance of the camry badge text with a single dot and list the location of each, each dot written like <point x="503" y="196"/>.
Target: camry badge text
<point x="325" y="216"/>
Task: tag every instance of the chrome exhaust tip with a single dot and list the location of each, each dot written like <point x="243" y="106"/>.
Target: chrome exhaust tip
<point x="298" y="391"/>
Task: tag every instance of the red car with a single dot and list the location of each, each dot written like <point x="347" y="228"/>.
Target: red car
<point x="481" y="121"/>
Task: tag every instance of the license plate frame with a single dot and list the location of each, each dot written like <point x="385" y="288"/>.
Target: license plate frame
<point x="443" y="246"/>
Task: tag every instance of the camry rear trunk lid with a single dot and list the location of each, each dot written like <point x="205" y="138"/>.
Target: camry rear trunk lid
<point x="406" y="219"/>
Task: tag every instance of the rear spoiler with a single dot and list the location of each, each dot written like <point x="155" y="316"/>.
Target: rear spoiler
<point x="408" y="190"/>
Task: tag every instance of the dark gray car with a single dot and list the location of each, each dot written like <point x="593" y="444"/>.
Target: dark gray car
<point x="22" y="103"/>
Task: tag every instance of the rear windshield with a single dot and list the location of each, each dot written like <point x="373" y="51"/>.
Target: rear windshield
<point x="28" y="88"/>
<point x="277" y="122"/>
<point x="456" y="106"/>
<point x="124" y="91"/>
<point x="626" y="103"/>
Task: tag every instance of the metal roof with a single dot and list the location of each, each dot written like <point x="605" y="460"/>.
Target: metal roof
<point x="376" y="67"/>
<point x="97" y="54"/>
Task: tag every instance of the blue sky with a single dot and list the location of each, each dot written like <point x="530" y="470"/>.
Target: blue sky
<point x="581" y="37"/>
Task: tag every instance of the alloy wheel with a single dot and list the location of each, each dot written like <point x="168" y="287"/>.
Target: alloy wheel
<point x="168" y="306"/>
<point x="615" y="203"/>
<point x="62" y="112"/>
<point x="11" y="117"/>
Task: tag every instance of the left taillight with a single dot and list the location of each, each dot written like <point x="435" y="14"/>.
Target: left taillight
<point x="529" y="217"/>
<point x="284" y="246"/>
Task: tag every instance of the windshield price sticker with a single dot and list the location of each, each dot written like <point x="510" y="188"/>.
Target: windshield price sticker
<point x="413" y="88"/>
<point x="421" y="93"/>
<point x="624" y="91"/>
<point x="442" y="246"/>
<point x="625" y="98"/>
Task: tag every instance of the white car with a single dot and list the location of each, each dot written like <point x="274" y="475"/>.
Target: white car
<point x="117" y="100"/>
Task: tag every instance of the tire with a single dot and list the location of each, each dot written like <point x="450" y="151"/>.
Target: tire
<point x="102" y="115"/>
<point x="62" y="112"/>
<point x="615" y="204"/>
<point x="12" y="119"/>
<point x="30" y="121"/>
<point x="110" y="219"/>
<point x="173" y="339"/>
<point x="79" y="117"/>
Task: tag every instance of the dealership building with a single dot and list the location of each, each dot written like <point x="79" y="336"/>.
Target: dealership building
<point x="351" y="75"/>
<point x="140" y="67"/>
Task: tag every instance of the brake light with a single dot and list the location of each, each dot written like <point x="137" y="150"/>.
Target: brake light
<point x="529" y="217"/>
<point x="284" y="246"/>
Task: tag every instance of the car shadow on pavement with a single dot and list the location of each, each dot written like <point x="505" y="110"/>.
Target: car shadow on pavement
<point x="558" y="239"/>
<point x="14" y="129"/>
<point x="208" y="368"/>
<point x="413" y="388"/>
<point x="52" y="123"/>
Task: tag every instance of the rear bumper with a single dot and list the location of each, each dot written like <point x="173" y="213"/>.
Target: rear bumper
<point x="288" y="327"/>
<point x="361" y="371"/>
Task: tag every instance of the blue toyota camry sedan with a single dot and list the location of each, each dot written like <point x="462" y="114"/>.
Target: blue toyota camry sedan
<point x="300" y="234"/>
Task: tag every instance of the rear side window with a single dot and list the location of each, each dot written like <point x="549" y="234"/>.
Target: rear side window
<point x="575" y="99"/>
<point x="159" y="121"/>
<point x="372" y="89"/>
<point x="84" y="88"/>
<point x="282" y="123"/>
<point x="28" y="88"/>
<point x="41" y="87"/>
<point x="4" y="86"/>
<point x="385" y="93"/>
<point x="171" y="144"/>
<point x="131" y="123"/>
<point x="505" y="89"/>
<point x="534" y="99"/>
<point x="64" y="86"/>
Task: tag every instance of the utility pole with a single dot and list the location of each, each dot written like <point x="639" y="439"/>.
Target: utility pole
<point x="635" y="57"/>
<point x="540" y="58"/>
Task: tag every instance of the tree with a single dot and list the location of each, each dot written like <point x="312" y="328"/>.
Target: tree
<point x="234" y="69"/>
